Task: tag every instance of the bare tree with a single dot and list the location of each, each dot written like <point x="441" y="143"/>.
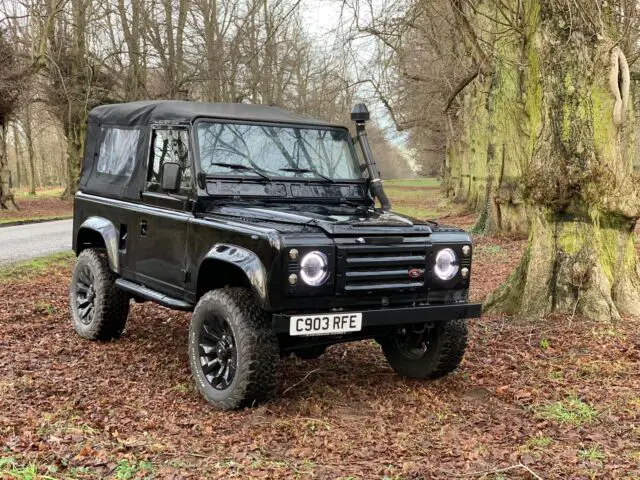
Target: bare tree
<point x="13" y="76"/>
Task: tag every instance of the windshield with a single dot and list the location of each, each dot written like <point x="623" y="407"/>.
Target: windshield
<point x="275" y="151"/>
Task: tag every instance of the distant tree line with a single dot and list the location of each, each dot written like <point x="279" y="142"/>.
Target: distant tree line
<point x="76" y="54"/>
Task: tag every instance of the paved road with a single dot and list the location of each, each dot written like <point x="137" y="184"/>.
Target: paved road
<point x="24" y="242"/>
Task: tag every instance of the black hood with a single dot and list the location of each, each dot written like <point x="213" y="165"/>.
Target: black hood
<point x="332" y="219"/>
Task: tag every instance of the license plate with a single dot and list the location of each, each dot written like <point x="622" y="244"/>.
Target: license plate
<point x="325" y="324"/>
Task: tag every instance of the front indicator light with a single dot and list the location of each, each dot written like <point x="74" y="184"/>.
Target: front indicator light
<point x="314" y="268"/>
<point x="464" y="273"/>
<point x="293" y="279"/>
<point x="446" y="264"/>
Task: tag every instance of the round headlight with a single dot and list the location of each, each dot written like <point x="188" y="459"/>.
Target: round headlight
<point x="446" y="264"/>
<point x="314" y="268"/>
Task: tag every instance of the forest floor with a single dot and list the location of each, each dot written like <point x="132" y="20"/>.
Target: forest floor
<point x="558" y="398"/>
<point x="45" y="205"/>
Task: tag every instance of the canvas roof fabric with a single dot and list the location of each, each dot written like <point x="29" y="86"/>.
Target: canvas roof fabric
<point x="148" y="112"/>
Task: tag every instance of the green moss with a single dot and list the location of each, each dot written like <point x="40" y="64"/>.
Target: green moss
<point x="605" y="132"/>
<point x="569" y="239"/>
<point x="533" y="85"/>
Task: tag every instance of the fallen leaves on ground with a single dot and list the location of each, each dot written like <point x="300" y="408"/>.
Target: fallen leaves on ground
<point x="558" y="397"/>
<point x="38" y="208"/>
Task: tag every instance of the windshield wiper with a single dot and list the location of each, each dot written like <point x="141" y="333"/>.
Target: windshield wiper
<point x="239" y="166"/>
<point x="308" y="170"/>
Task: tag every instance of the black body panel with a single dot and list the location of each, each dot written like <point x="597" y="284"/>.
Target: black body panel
<point x="233" y="230"/>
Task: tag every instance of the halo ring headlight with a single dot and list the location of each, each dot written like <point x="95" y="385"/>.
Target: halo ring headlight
<point x="314" y="268"/>
<point x="447" y="264"/>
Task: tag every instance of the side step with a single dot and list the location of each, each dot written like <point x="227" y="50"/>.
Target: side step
<point x="152" y="295"/>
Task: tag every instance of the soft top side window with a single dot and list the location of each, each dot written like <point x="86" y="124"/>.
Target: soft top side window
<point x="118" y="151"/>
<point x="169" y="145"/>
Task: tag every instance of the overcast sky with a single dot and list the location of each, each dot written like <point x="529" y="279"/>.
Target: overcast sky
<point x="322" y="20"/>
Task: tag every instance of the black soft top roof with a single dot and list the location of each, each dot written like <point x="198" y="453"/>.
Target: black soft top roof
<point x="147" y="112"/>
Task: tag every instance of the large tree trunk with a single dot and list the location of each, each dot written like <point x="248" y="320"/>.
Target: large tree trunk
<point x="488" y="154"/>
<point x="7" y="201"/>
<point x="18" y="155"/>
<point x="32" y="161"/>
<point x="75" y="147"/>
<point x="581" y="256"/>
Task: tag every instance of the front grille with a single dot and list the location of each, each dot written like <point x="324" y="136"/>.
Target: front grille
<point x="363" y="269"/>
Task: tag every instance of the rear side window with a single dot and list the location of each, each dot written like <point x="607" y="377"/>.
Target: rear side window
<point x="118" y="151"/>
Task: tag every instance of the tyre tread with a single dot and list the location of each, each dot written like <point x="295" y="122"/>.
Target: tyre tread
<point x="111" y="312"/>
<point x="444" y="353"/>
<point x="261" y="354"/>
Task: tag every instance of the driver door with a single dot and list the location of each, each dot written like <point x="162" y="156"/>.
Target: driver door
<point x="163" y="219"/>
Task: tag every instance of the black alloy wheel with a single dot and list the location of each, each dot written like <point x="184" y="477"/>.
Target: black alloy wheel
<point x="85" y="295"/>
<point x="99" y="309"/>
<point x="426" y="351"/>
<point x="218" y="353"/>
<point x="233" y="352"/>
<point x="413" y="341"/>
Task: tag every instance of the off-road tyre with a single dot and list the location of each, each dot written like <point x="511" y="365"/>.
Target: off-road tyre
<point x="310" y="353"/>
<point x="109" y="305"/>
<point x="445" y="345"/>
<point x="256" y="348"/>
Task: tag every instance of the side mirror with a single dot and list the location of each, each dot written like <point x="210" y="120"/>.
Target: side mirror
<point x="170" y="176"/>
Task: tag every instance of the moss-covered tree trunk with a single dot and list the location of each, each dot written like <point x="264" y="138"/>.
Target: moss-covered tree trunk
<point x="581" y="256"/>
<point x="488" y="152"/>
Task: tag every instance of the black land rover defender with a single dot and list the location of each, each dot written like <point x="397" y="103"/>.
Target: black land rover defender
<point x="263" y="223"/>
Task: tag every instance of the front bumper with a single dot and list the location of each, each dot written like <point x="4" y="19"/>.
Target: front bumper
<point x="397" y="316"/>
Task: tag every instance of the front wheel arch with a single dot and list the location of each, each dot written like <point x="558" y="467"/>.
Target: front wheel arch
<point x="227" y="265"/>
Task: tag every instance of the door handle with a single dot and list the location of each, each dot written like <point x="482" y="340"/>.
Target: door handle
<point x="143" y="228"/>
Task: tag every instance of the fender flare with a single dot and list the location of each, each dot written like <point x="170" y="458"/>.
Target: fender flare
<point x="248" y="262"/>
<point x="109" y="234"/>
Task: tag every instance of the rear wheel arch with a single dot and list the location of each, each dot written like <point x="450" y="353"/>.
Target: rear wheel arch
<point x="98" y="232"/>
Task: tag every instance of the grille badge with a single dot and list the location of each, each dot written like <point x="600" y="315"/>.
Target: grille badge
<point x="415" y="273"/>
<point x="359" y="240"/>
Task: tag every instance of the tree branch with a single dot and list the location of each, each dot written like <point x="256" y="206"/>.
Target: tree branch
<point x="461" y="86"/>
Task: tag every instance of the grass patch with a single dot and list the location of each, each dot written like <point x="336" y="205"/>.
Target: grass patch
<point x="412" y="197"/>
<point x="539" y="442"/>
<point x="23" y="194"/>
<point x="490" y="249"/>
<point x="36" y="266"/>
<point x="571" y="411"/>
<point x="9" y="468"/>
<point x="593" y="454"/>
<point x="426" y="182"/>
<point x="44" y="218"/>
<point x="132" y="469"/>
